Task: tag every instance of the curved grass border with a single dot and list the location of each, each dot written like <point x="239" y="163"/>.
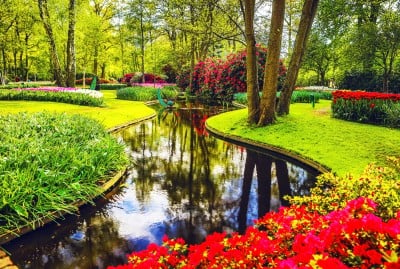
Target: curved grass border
<point x="280" y="152"/>
<point x="107" y="187"/>
<point x="343" y="146"/>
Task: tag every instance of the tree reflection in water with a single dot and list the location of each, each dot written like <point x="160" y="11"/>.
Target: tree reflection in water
<point x="262" y="163"/>
<point x="182" y="183"/>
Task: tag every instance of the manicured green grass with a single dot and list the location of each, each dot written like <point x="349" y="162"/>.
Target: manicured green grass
<point x="114" y="113"/>
<point x="345" y="147"/>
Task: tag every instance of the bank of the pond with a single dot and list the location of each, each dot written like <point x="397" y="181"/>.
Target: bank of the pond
<point x="115" y="113"/>
<point x="345" y="147"/>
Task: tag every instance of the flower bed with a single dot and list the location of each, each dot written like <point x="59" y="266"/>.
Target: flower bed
<point x="368" y="107"/>
<point x="336" y="227"/>
<point x="294" y="237"/>
<point x="55" y="94"/>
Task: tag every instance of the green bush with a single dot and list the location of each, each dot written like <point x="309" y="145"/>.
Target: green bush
<point x="297" y="96"/>
<point x="50" y="161"/>
<point x="381" y="184"/>
<point x="112" y="86"/>
<point x="305" y="97"/>
<point x="145" y="93"/>
<point x="61" y="97"/>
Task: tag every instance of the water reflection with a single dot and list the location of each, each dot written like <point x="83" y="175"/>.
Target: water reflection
<point x="182" y="183"/>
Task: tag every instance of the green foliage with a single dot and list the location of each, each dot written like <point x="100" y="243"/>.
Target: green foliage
<point x="380" y="184"/>
<point x="303" y="96"/>
<point x="62" y="97"/>
<point x="144" y="93"/>
<point x="384" y="112"/>
<point x="50" y="161"/>
<point x="112" y="86"/>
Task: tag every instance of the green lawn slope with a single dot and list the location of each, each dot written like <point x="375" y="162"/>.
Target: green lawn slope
<point x="116" y="112"/>
<point x="345" y="147"/>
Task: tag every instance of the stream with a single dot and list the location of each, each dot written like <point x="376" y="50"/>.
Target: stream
<point x="182" y="182"/>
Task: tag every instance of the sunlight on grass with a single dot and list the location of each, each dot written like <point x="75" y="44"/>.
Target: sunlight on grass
<point x="115" y="112"/>
<point x="345" y="147"/>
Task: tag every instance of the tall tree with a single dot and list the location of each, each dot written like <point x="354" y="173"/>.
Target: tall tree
<point x="307" y="17"/>
<point x="55" y="61"/>
<point x="71" y="58"/>
<point x="388" y="47"/>
<point x="268" y="99"/>
<point x="251" y="62"/>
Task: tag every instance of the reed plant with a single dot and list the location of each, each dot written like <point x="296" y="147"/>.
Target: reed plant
<point x="72" y="97"/>
<point x="140" y="93"/>
<point x="50" y="161"/>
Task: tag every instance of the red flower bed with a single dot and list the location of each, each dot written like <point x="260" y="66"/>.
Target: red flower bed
<point x="358" y="95"/>
<point x="369" y="107"/>
<point x="294" y="237"/>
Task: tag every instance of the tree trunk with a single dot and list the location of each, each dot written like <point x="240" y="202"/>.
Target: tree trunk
<point x="71" y="60"/>
<point x="268" y="99"/>
<point x="96" y="60"/>
<point x="307" y="17"/>
<point x="142" y="40"/>
<point x="253" y="99"/>
<point x="45" y="17"/>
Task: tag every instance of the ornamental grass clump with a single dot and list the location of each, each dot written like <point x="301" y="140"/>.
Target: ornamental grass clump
<point x="48" y="162"/>
<point x="367" y="107"/>
<point x="55" y="94"/>
<point x="140" y="93"/>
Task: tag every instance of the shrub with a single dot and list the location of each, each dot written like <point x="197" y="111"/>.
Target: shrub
<point x="50" y="161"/>
<point x="381" y="184"/>
<point x="170" y="72"/>
<point x="144" y="93"/>
<point x="220" y="79"/>
<point x="369" y="81"/>
<point x="368" y="107"/>
<point x="297" y="97"/>
<point x="88" y="81"/>
<point x="61" y="95"/>
<point x="183" y="79"/>
<point x="148" y="78"/>
<point x="79" y="76"/>
<point x="112" y="86"/>
<point x="305" y="97"/>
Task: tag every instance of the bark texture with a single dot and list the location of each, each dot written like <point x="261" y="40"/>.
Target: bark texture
<point x="306" y="20"/>
<point x="268" y="99"/>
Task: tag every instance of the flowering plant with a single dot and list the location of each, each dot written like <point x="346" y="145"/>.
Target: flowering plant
<point x="217" y="78"/>
<point x="294" y="237"/>
<point x="369" y="107"/>
<point x="94" y="94"/>
<point x="55" y="94"/>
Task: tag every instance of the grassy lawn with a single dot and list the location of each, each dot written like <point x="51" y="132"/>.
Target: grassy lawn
<point x="115" y="113"/>
<point x="345" y="147"/>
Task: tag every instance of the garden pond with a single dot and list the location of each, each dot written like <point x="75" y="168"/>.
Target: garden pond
<point x="182" y="182"/>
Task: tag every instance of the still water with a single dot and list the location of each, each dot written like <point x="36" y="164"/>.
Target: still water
<point x="182" y="182"/>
